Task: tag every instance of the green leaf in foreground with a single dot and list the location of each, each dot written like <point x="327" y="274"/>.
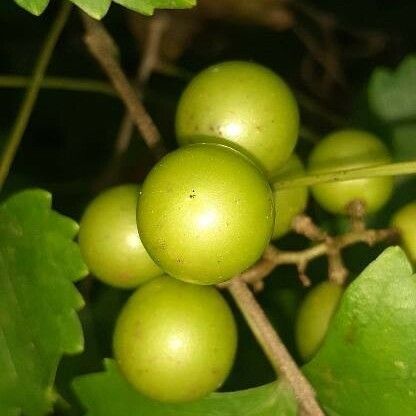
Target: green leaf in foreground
<point x="35" y="7"/>
<point x="367" y="363"/>
<point x="108" y="394"/>
<point x="148" y="6"/>
<point x="94" y="8"/>
<point x="38" y="323"/>
<point x="99" y="8"/>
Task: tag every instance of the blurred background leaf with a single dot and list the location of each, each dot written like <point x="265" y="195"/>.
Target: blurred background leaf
<point x="392" y="98"/>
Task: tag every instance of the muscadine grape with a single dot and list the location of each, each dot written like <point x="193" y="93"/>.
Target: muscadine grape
<point x="205" y="213"/>
<point x="109" y="240"/>
<point x="314" y="316"/>
<point x="175" y="341"/>
<point x="348" y="149"/>
<point x="405" y="221"/>
<point x="288" y="202"/>
<point x="243" y="105"/>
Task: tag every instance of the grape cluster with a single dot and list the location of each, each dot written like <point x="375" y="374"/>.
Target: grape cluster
<point x="205" y="213"/>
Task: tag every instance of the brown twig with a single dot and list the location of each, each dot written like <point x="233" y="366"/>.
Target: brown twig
<point x="331" y="247"/>
<point x="356" y="211"/>
<point x="303" y="224"/>
<point x="273" y="347"/>
<point x="148" y="64"/>
<point x="103" y="48"/>
<point x="149" y="61"/>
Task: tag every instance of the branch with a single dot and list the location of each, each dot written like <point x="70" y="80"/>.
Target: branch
<point x="59" y="83"/>
<point x="32" y="92"/>
<point x="150" y="59"/>
<point x="273" y="347"/>
<point x="316" y="108"/>
<point x="103" y="48"/>
<point x="331" y="247"/>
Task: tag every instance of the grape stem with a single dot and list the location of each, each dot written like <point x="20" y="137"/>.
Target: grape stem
<point x="103" y="48"/>
<point x="273" y="346"/>
<point x="331" y="246"/>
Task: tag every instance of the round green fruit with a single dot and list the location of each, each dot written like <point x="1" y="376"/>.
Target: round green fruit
<point x="243" y="105"/>
<point x="288" y="202"/>
<point x="314" y="316"/>
<point x="109" y="240"/>
<point x="205" y="213"/>
<point x="405" y="221"/>
<point x="349" y="149"/>
<point x="175" y="341"/>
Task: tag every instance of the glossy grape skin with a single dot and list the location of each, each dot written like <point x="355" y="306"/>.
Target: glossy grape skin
<point x="205" y="213"/>
<point x="314" y="316"/>
<point x="243" y="105"/>
<point x="175" y="341"/>
<point x="109" y="240"/>
<point x="291" y="201"/>
<point x="348" y="149"/>
<point x="405" y="221"/>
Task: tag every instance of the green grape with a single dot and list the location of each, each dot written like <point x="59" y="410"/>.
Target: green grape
<point x="288" y="202"/>
<point x="243" y="105"/>
<point x="205" y="213"/>
<point x="348" y="149"/>
<point x="314" y="316"/>
<point x="405" y="221"/>
<point x="175" y="341"/>
<point x="109" y="240"/>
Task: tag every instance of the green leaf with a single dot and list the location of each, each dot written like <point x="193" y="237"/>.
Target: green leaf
<point x="392" y="94"/>
<point x="108" y="394"/>
<point x="147" y="6"/>
<point x="38" y="264"/>
<point x="367" y="363"/>
<point x="99" y="8"/>
<point x="94" y="8"/>
<point x="404" y="141"/>
<point x="392" y="98"/>
<point x="35" y="7"/>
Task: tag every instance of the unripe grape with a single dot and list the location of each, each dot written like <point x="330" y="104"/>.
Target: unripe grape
<point x="243" y="105"/>
<point x="291" y="201"/>
<point x="314" y="316"/>
<point x="405" y="221"/>
<point x="205" y="213"/>
<point x="175" y="341"/>
<point x="109" y="240"/>
<point x="348" y="149"/>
